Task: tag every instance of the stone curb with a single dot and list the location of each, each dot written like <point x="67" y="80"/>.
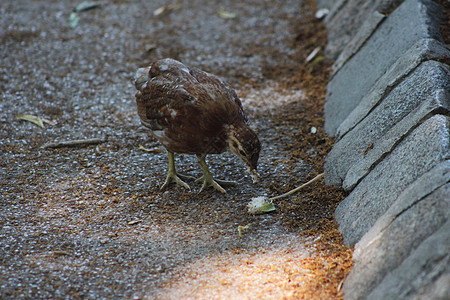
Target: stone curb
<point x="395" y="236"/>
<point x="381" y="188"/>
<point x="406" y="25"/>
<point x="416" y="276"/>
<point x="435" y="104"/>
<point x="388" y="102"/>
<point x="423" y="50"/>
<point x="357" y="42"/>
<point x="374" y="129"/>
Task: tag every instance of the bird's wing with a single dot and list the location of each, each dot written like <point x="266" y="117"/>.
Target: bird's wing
<point x="215" y="94"/>
<point x="168" y="88"/>
<point x="159" y="101"/>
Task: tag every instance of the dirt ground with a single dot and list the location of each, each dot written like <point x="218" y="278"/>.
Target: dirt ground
<point x="91" y="222"/>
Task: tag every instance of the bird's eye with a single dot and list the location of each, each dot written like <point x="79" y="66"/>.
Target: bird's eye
<point x="242" y="152"/>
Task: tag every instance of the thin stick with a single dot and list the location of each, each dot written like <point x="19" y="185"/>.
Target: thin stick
<point x="74" y="143"/>
<point x="299" y="188"/>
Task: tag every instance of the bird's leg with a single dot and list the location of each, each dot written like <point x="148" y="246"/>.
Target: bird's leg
<point x="173" y="176"/>
<point x="207" y="178"/>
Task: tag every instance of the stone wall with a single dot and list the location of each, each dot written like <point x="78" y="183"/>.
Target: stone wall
<point x="388" y="104"/>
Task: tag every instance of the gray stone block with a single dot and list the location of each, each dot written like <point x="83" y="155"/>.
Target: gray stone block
<point x="412" y="21"/>
<point x="415" y="192"/>
<point x="438" y="103"/>
<point x="421" y="84"/>
<point x="403" y="241"/>
<point x="346" y="17"/>
<point x="325" y="4"/>
<point x="439" y="289"/>
<point x="366" y="30"/>
<point x="372" y="197"/>
<point x="335" y="8"/>
<point x="423" y="50"/>
<point x="425" y="274"/>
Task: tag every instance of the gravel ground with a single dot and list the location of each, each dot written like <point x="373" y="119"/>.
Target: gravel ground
<point x="90" y="221"/>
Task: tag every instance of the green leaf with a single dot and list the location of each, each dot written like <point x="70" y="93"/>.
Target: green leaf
<point x="268" y="207"/>
<point x="317" y="60"/>
<point x="74" y="19"/>
<point x="260" y="205"/>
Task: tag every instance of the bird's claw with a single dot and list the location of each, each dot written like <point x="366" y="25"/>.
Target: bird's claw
<point x="185" y="177"/>
<point x="177" y="178"/>
<point x="215" y="183"/>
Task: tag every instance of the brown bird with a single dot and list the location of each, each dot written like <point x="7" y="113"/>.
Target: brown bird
<point x="194" y="112"/>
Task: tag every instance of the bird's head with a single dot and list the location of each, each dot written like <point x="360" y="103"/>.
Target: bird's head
<point x="244" y="142"/>
<point x="141" y="78"/>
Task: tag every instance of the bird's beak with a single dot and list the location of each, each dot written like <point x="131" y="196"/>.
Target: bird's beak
<point x="253" y="174"/>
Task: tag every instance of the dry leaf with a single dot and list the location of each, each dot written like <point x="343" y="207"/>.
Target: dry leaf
<point x="156" y="150"/>
<point x="242" y="228"/>
<point x="83" y="6"/>
<point x="87" y="5"/>
<point x="134" y="222"/>
<point x="226" y="14"/>
<point x="166" y="9"/>
<point x="159" y="11"/>
<point x="30" y="118"/>
<point x="49" y="122"/>
<point x="317" y="60"/>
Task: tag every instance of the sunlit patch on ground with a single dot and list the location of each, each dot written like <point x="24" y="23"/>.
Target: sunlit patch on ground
<point x="271" y="273"/>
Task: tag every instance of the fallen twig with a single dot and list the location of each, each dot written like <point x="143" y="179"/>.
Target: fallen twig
<point x="299" y="188"/>
<point x="74" y="143"/>
<point x="263" y="204"/>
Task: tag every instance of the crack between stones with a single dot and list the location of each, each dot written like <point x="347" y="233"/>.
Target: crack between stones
<point x="436" y="111"/>
<point x="415" y="202"/>
<point x="424" y="58"/>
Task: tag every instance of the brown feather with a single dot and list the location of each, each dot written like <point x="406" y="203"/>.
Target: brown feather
<point x="190" y="111"/>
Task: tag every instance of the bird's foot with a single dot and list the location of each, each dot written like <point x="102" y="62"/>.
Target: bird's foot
<point x="178" y="179"/>
<point x="215" y="183"/>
